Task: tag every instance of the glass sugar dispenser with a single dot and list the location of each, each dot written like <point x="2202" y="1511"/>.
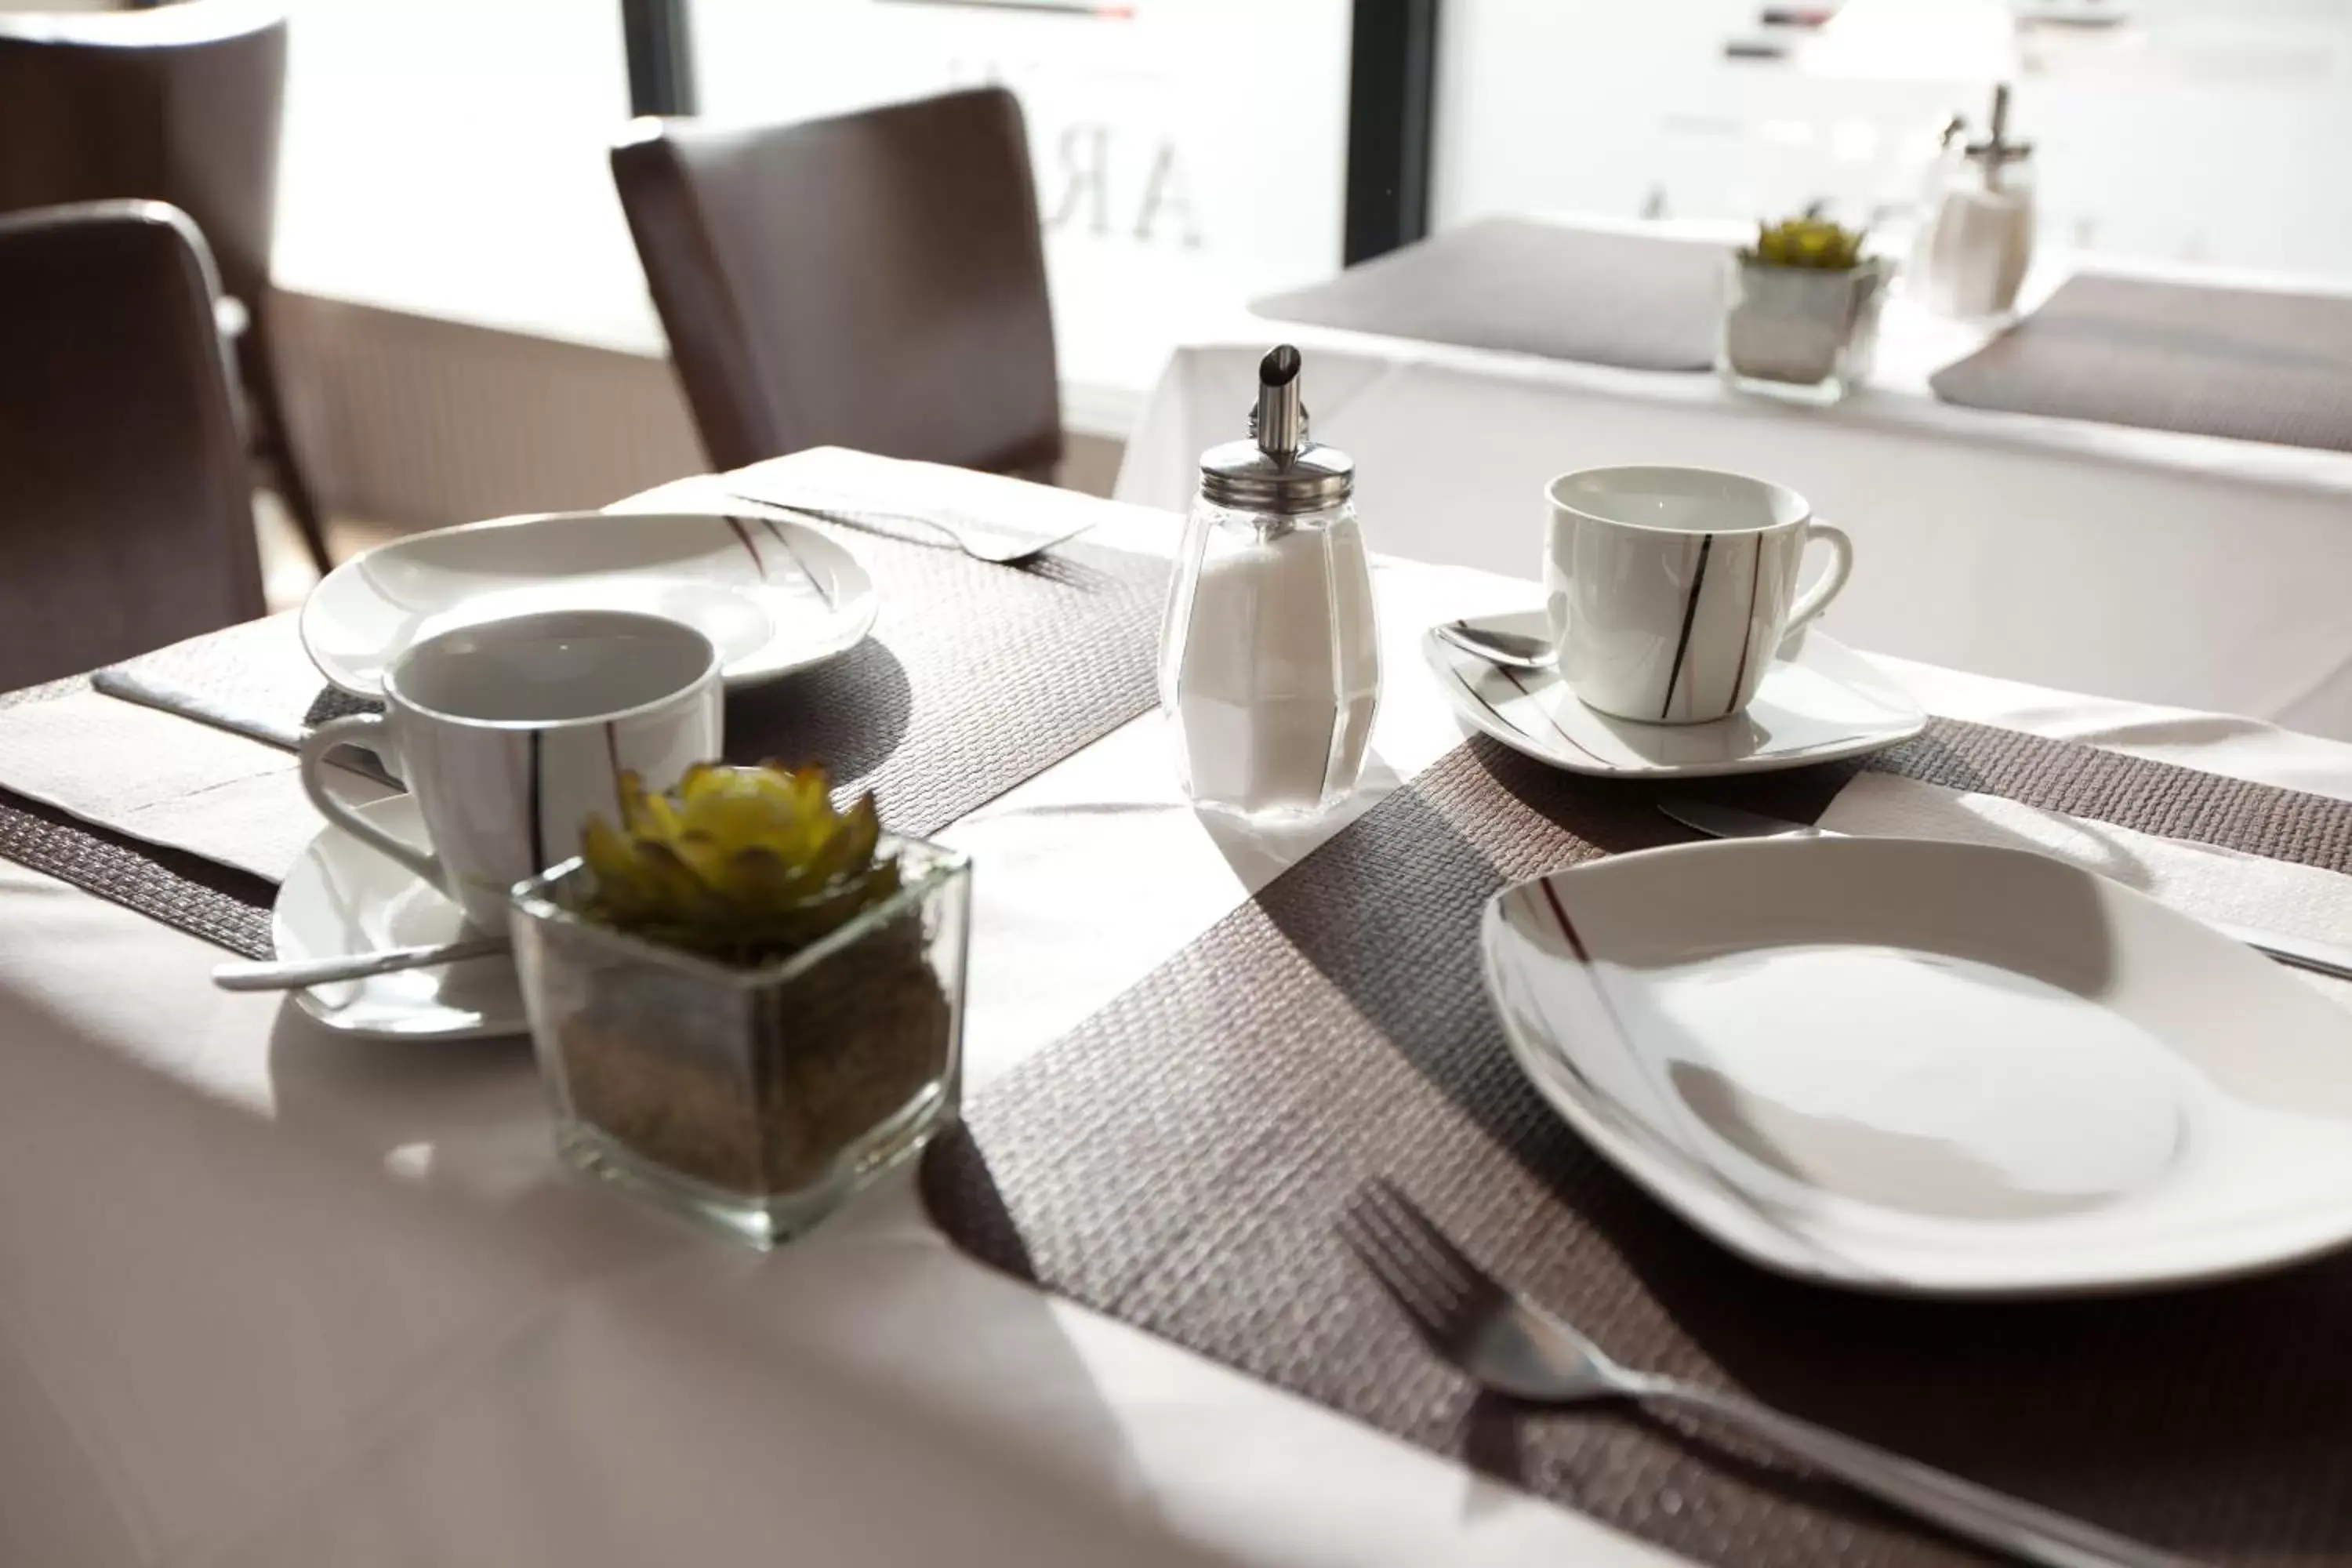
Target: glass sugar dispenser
<point x="1978" y="240"/>
<point x="1269" y="659"/>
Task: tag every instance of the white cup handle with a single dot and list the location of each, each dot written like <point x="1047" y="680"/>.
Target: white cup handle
<point x="357" y="730"/>
<point x="1817" y="598"/>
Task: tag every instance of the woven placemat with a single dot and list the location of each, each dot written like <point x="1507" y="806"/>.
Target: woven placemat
<point x="1637" y="300"/>
<point x="977" y="676"/>
<point x="1178" y="1161"/>
<point x="2254" y="365"/>
<point x="252" y="679"/>
<point x="219" y="903"/>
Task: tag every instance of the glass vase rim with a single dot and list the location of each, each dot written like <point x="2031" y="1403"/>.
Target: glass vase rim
<point x="533" y="898"/>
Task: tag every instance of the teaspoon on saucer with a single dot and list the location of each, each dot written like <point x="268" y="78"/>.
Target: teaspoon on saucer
<point x="295" y="975"/>
<point x="1514" y="651"/>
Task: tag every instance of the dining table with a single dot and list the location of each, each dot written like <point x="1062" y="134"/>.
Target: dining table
<point x="270" y="1295"/>
<point x="2173" y="566"/>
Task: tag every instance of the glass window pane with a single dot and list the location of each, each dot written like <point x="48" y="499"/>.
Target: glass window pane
<point x="2177" y="129"/>
<point x="448" y="157"/>
<point x="1190" y="154"/>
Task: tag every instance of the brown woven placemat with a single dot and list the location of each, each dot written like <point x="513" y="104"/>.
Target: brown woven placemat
<point x="2254" y="365"/>
<point x="977" y="676"/>
<point x="1177" y="1163"/>
<point x="1631" y="299"/>
<point x="220" y="903"/>
<point x="252" y="679"/>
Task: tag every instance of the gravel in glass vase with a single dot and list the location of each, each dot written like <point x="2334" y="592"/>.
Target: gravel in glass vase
<point x="746" y="1006"/>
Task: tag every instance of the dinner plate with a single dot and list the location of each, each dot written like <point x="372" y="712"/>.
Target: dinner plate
<point x="343" y="898"/>
<point x="1919" y="1067"/>
<point x="774" y="595"/>
<point x="1820" y="703"/>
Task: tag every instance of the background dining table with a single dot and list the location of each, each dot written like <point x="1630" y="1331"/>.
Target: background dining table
<point x="270" y="1295"/>
<point x="2184" y="569"/>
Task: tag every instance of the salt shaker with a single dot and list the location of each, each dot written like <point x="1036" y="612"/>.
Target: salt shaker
<point x="1269" y="658"/>
<point x="1980" y="235"/>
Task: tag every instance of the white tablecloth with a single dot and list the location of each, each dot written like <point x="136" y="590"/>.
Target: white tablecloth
<point x="2136" y="564"/>
<point x="270" y="1297"/>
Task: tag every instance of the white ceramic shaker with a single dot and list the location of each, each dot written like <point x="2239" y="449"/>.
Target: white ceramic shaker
<point x="1269" y="660"/>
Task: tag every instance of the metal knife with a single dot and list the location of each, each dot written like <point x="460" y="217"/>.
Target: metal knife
<point x="1731" y="822"/>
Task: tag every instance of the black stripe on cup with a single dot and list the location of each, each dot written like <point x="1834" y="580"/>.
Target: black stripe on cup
<point x="539" y="859"/>
<point x="1690" y="615"/>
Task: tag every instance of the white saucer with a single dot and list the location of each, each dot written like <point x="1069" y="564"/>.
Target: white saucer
<point x="774" y="595"/>
<point x="1927" y="1068"/>
<point x="1824" y="703"/>
<point x="342" y="898"/>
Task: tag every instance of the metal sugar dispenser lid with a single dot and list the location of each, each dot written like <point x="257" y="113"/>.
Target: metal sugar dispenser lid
<point x="1278" y="471"/>
<point x="1996" y="151"/>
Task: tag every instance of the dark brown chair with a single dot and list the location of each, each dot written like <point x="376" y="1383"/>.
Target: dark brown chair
<point x="126" y="506"/>
<point x="875" y="280"/>
<point x="178" y="104"/>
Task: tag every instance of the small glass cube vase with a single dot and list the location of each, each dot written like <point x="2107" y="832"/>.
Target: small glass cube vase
<point x="756" y="1100"/>
<point x="1803" y="333"/>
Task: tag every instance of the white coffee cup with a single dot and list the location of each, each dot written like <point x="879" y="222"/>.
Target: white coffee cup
<point x="511" y="733"/>
<point x="1671" y="589"/>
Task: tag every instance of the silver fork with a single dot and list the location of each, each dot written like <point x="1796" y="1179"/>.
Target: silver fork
<point x="974" y="539"/>
<point x="1509" y="1344"/>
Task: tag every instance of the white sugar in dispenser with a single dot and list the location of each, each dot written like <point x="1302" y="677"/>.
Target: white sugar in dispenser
<point x="1974" y="252"/>
<point x="1270" y="660"/>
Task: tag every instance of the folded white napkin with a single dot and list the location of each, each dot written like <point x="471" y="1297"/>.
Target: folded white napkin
<point x="2213" y="884"/>
<point x="164" y="779"/>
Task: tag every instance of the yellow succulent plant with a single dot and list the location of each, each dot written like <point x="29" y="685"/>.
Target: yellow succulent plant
<point x="1808" y="242"/>
<point x="743" y="865"/>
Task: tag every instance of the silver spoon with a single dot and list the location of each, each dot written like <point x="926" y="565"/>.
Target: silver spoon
<point x="1514" y="651"/>
<point x="294" y="974"/>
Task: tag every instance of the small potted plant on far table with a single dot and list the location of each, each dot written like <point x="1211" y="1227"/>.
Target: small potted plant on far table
<point x="746" y="1004"/>
<point x="1801" y="317"/>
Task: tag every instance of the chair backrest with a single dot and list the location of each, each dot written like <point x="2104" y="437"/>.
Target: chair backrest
<point x="873" y="280"/>
<point x="179" y="104"/>
<point x="126" y="509"/>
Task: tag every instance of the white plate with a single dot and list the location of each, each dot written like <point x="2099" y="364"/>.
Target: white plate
<point x="342" y="898"/>
<point x="1904" y="1066"/>
<point x="1824" y="703"/>
<point x="774" y="595"/>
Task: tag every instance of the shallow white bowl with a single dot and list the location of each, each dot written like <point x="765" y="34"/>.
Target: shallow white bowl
<point x="774" y="595"/>
<point x="1933" y="1068"/>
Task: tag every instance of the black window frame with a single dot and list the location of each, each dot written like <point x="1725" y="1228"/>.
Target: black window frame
<point x="660" y="46"/>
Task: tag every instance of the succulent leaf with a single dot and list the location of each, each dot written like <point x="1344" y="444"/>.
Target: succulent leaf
<point x="1808" y="242"/>
<point x="745" y="865"/>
